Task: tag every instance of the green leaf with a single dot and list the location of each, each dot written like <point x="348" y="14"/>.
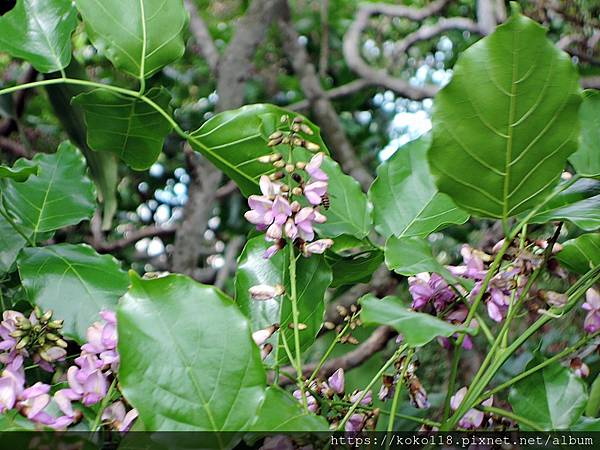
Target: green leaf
<point x="350" y="211"/>
<point x="581" y="254"/>
<point x="579" y="204"/>
<point x="503" y="128"/>
<point x="416" y="328"/>
<point x="11" y="244"/>
<point x="74" y="281"/>
<point x="60" y="195"/>
<point x="234" y="140"/>
<point x="210" y="376"/>
<point x="13" y="421"/>
<point x="586" y="159"/>
<point x="39" y="31"/>
<point x="354" y="268"/>
<point x="313" y="276"/>
<point x="103" y="166"/>
<point x="586" y="424"/>
<point x="554" y="398"/>
<point x="281" y="413"/>
<point x="412" y="255"/>
<point x="139" y="37"/>
<point x="125" y="126"/>
<point x="18" y="174"/>
<point x="405" y="199"/>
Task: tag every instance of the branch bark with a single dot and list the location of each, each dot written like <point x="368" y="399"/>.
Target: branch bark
<point x="202" y="36"/>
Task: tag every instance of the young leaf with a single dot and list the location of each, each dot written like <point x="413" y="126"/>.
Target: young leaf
<point x="234" y="140"/>
<point x="190" y="347"/>
<point x="503" y="128"/>
<point x="581" y="254"/>
<point x="18" y="174"/>
<point x="127" y="127"/>
<point x="313" y="276"/>
<point x="405" y="200"/>
<point x="579" y="204"/>
<point x="39" y="31"/>
<point x="60" y="195"/>
<point x="553" y="398"/>
<point x="139" y="37"/>
<point x="416" y="328"/>
<point x="281" y="413"/>
<point x="74" y="281"/>
<point x="586" y="159"/>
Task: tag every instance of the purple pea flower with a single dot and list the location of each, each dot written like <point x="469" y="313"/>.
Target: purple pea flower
<point x="315" y="191"/>
<point x="310" y="400"/>
<point x="355" y="423"/>
<point x="367" y="399"/>
<point x="303" y="221"/>
<point x="336" y="381"/>
<point x="592" y="306"/>
<point x="473" y="418"/>
<point x="317" y="247"/>
<point x="12" y="384"/>
<point x="313" y="168"/>
<point x="118" y="417"/>
<point x="425" y="288"/>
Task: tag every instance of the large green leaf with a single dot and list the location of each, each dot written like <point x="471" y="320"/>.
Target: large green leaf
<point x="60" y="195"/>
<point x="188" y="362"/>
<point x="138" y="36"/>
<point x="233" y="140"/>
<point x="39" y="31"/>
<point x="579" y="204"/>
<point x="11" y="244"/>
<point x="581" y="254"/>
<point x="281" y="413"/>
<point x="18" y="174"/>
<point x="356" y="268"/>
<point x="503" y="128"/>
<point x="586" y="159"/>
<point x="405" y="199"/>
<point x="416" y="328"/>
<point x="553" y="398"/>
<point x="125" y="126"/>
<point x="313" y="276"/>
<point x="103" y="166"/>
<point x="74" y="281"/>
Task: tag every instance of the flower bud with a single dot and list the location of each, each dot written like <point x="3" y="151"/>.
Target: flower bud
<point x="300" y="165"/>
<point x="284" y="118"/>
<point x="306" y="129"/>
<point x="264" y="352"/>
<point x="22" y="343"/>
<point x="56" y="324"/>
<point x="276" y="176"/>
<point x="289" y="168"/>
<point x="18" y="333"/>
<point x="47" y="316"/>
<point x="554" y="298"/>
<point x="265" y="291"/>
<point x="265" y="159"/>
<point x="311" y="146"/>
<point x="317" y="247"/>
<point x="275" y="135"/>
<point x="336" y="381"/>
<point x="62" y="343"/>
<point x="261" y="336"/>
<point x="38" y="312"/>
<point x="296" y="206"/>
<point x="301" y="326"/>
<point x="297" y="191"/>
<point x="298" y="119"/>
<point x="279" y="164"/>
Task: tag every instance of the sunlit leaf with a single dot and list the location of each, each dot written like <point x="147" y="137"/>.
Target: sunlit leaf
<point x="503" y="128"/>
<point x="18" y="174"/>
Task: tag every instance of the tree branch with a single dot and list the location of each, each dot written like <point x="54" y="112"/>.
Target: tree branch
<point x="202" y="36"/>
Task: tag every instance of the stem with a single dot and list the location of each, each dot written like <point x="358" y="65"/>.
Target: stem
<point x="451" y="382"/>
<point x="377" y="376"/>
<point x="407" y="360"/>
<point x="328" y="352"/>
<point x="295" y="318"/>
<point x="103" y="405"/>
<point x="593" y="404"/>
<point x="510" y="415"/>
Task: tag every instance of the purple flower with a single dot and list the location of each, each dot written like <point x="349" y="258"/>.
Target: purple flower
<point x="313" y="168"/>
<point x="12" y="384"/>
<point x="118" y="417"/>
<point x="315" y="191"/>
<point x="473" y="418"/>
<point x="310" y="400"/>
<point x="367" y="399"/>
<point x="336" y="381"/>
<point x="281" y="210"/>
<point x="303" y="221"/>
<point x="317" y="247"/>
<point x="260" y="213"/>
<point x="355" y="423"/>
<point x="592" y="306"/>
<point x="269" y="252"/>
<point x="425" y="288"/>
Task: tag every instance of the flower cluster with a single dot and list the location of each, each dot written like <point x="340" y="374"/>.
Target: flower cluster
<point x="289" y="205"/>
<point x="472" y="418"/>
<point x="88" y="379"/>
<point x="333" y="391"/>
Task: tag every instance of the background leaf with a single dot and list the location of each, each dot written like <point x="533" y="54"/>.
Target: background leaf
<point x="405" y="199"/>
<point x="554" y="397"/>
<point x="11" y="244"/>
<point x="579" y="204"/>
<point x="18" y="174"/>
<point x="39" y="31"/>
<point x="280" y="412"/>
<point x="581" y="254"/>
<point x="210" y="376"/>
<point x="586" y="159"/>
<point x="60" y="195"/>
<point x="125" y="126"/>
<point x="74" y="281"/>
<point x="313" y="278"/>
<point x="137" y="36"/>
<point x="503" y="127"/>
<point x="416" y="328"/>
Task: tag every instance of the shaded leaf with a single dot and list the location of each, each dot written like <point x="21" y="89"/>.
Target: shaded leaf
<point x="554" y="398"/>
<point x="137" y="36"/>
<point x="313" y="278"/>
<point x="74" y="281"/>
<point x="60" y="195"/>
<point x="39" y="31"/>
<point x="125" y="126"/>
<point x="233" y="140"/>
<point x="416" y="328"/>
<point x="579" y="204"/>
<point x="586" y="159"/>
<point x="11" y="244"/>
<point x="354" y="268"/>
<point x="586" y="424"/>
<point x="18" y="174"/>
<point x="405" y="199"/>
<point x="581" y="254"/>
<point x="503" y="127"/>
<point x="280" y="412"/>
<point x="210" y="376"/>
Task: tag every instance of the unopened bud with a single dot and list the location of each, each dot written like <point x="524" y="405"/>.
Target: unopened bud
<point x="264" y="352"/>
<point x="52" y="337"/>
<point x="276" y="157"/>
<point x="47" y="316"/>
<point x="261" y="336"/>
<point x="311" y="146"/>
<point x="265" y="159"/>
<point x="300" y="165"/>
<point x="284" y="118"/>
<point x="297" y="191"/>
<point x="276" y="176"/>
<point x="297" y="178"/>
<point x="295" y="127"/>
<point x="554" y="298"/>
<point x="276" y="135"/>
<point x="62" y="343"/>
<point x="263" y="292"/>
<point x="329" y="325"/>
<point x="56" y="324"/>
<point x="284" y="188"/>
<point x="301" y="326"/>
<point x="22" y="343"/>
<point x="306" y="129"/>
<point x="352" y="340"/>
<point x="298" y="119"/>
<point x="289" y="168"/>
<point x="296" y="206"/>
<point x="18" y="333"/>
<point x="342" y="310"/>
<point x="279" y="164"/>
<point x="38" y="312"/>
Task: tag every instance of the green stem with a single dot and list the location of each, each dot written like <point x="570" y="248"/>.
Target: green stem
<point x="399" y="385"/>
<point x="103" y="405"/>
<point x="593" y="404"/>
<point x="510" y="415"/>
<point x="335" y="341"/>
<point x="377" y="376"/>
<point x="451" y="382"/>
